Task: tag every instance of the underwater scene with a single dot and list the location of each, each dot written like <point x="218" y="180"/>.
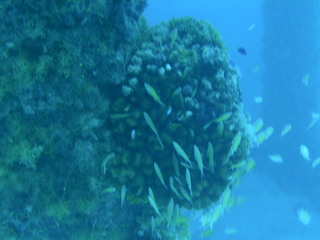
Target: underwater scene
<point x="159" y="120"/>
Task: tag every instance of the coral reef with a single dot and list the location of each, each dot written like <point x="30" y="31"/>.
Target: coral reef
<point x="109" y="127"/>
<point x="179" y="90"/>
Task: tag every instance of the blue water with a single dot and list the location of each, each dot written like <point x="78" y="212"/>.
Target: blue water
<point x="273" y="192"/>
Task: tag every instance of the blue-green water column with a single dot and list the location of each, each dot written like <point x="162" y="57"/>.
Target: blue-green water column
<point x="290" y="51"/>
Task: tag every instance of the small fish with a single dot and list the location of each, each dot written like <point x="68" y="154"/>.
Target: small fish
<point x="151" y="193"/>
<point x="315" y="162"/>
<point x="105" y="162"/>
<point x="173" y="188"/>
<point x="240" y="164"/>
<point x="175" y="165"/>
<point x="170" y="208"/>
<point x="251" y="27"/>
<point x="133" y="134"/>
<point x="188" y="180"/>
<point x="206" y="233"/>
<point x="169" y="110"/>
<point x="223" y="117"/>
<point x="256" y="69"/>
<point x="220" y="128"/>
<point x="257" y="125"/>
<point x="315" y="118"/>
<point x="230" y="231"/>
<point x="109" y="190"/>
<point x="276" y="158"/>
<point x="198" y="157"/>
<point x="250" y="165"/>
<point x="242" y="51"/>
<point x="215" y="215"/>
<point x="210" y="154"/>
<point x="304" y="151"/>
<point x="305" y="79"/>
<point x="159" y="174"/>
<point x="258" y="99"/>
<point x="235" y="144"/>
<point x="286" y="129"/>
<point x="181" y="152"/>
<point x="208" y="124"/>
<point x="269" y="132"/>
<point x="186" y="194"/>
<point x="186" y="165"/>
<point x="152" y="92"/>
<point x="120" y="115"/>
<point x="176" y="214"/>
<point x="225" y="198"/>
<point x="304" y="216"/>
<point x="123" y="194"/>
<point x="154" y="205"/>
<point x="152" y="127"/>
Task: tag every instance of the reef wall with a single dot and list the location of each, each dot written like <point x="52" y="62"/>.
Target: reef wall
<point x="109" y="127"/>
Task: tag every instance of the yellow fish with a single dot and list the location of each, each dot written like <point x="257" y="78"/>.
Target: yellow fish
<point x="198" y="157"/>
<point x="175" y="165"/>
<point x="173" y="188"/>
<point x="152" y="202"/>
<point x="286" y="129"/>
<point x="304" y="216"/>
<point x="123" y="194"/>
<point x="210" y="153"/>
<point x="230" y="231"/>
<point x="153" y="128"/>
<point x="170" y="211"/>
<point x="304" y="151"/>
<point x="223" y="117"/>
<point x="159" y="174"/>
<point x="316" y="162"/>
<point x="109" y="190"/>
<point x="188" y="180"/>
<point x="186" y="194"/>
<point x="152" y="92"/>
<point x="154" y="205"/>
<point x="276" y="158"/>
<point x="235" y="144"/>
<point x="305" y="79"/>
<point x="315" y="118"/>
<point x="181" y="152"/>
<point x="257" y="125"/>
<point x="269" y="132"/>
<point x="258" y="99"/>
<point x="256" y="69"/>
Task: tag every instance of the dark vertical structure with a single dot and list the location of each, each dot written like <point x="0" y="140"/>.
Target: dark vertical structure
<point x="291" y="50"/>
